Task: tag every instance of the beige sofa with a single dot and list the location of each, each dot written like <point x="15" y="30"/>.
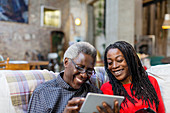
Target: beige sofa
<point x="17" y="86"/>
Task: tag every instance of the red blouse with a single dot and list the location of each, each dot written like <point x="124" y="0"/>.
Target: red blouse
<point x="107" y="89"/>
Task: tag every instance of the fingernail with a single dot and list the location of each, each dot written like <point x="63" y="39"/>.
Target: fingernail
<point x="75" y="107"/>
<point x="104" y="104"/>
<point x="83" y="98"/>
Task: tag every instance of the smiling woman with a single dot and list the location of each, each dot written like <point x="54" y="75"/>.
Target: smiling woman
<point x="118" y="66"/>
<point x="128" y="78"/>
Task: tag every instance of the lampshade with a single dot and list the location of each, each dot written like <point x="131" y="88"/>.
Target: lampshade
<point x="52" y="55"/>
<point x="166" y="23"/>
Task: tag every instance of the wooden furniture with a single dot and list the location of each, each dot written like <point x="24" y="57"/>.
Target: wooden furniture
<point x="18" y="65"/>
<point x="166" y="60"/>
<point x="22" y="65"/>
<point x="33" y="64"/>
<point x="4" y="64"/>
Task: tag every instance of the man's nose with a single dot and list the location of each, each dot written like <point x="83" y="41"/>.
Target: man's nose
<point x="84" y="74"/>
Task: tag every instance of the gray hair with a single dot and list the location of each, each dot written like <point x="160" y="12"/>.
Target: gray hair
<point x="80" y="47"/>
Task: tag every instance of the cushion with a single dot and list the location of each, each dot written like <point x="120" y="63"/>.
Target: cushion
<point x="5" y="101"/>
<point x="21" y="84"/>
<point x="162" y="74"/>
<point x="100" y="77"/>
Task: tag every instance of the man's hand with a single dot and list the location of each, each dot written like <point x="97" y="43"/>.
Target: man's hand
<point x="74" y="105"/>
<point x="108" y="109"/>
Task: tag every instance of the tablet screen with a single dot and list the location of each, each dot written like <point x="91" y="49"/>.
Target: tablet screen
<point x="94" y="99"/>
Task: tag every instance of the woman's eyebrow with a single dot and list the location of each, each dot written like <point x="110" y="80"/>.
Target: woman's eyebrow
<point x="116" y="57"/>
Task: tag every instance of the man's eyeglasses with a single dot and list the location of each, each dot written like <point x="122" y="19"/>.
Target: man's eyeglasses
<point x="82" y="70"/>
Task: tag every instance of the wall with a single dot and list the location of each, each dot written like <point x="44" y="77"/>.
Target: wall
<point x="78" y="9"/>
<point x="168" y="37"/>
<point x="120" y="21"/>
<point x="17" y="38"/>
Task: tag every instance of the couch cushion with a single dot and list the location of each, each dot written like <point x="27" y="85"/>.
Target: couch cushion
<point x="162" y="74"/>
<point x="5" y="101"/>
<point x="100" y="77"/>
<point x="22" y="83"/>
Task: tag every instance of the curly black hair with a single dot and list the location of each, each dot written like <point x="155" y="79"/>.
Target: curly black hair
<point x="142" y="87"/>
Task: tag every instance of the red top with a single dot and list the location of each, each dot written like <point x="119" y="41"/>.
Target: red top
<point x="107" y="89"/>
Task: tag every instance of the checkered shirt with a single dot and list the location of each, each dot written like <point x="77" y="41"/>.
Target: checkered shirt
<point x="52" y="96"/>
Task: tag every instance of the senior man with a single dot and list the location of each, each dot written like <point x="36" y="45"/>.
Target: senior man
<point x="66" y="93"/>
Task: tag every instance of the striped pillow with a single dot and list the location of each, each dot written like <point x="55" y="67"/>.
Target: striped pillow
<point x="22" y="83"/>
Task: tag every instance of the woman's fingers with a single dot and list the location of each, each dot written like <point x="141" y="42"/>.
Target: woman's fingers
<point x="100" y="110"/>
<point x="116" y="107"/>
<point x="108" y="109"/>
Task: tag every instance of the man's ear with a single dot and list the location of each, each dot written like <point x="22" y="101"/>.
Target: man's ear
<point x="66" y="60"/>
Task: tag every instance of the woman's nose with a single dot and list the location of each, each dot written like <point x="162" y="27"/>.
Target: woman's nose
<point x="115" y="65"/>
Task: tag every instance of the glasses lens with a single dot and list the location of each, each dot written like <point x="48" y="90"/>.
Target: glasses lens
<point x="90" y="73"/>
<point x="82" y="70"/>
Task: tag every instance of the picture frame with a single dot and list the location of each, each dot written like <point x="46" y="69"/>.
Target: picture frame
<point x="50" y="17"/>
<point x="15" y="11"/>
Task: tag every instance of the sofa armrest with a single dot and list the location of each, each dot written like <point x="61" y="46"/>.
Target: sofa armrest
<point x="5" y="101"/>
<point x="162" y="74"/>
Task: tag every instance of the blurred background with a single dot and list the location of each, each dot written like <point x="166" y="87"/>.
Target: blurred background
<point x="41" y="30"/>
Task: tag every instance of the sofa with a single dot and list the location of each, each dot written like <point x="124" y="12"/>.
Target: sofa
<point x="16" y="86"/>
<point x="162" y="74"/>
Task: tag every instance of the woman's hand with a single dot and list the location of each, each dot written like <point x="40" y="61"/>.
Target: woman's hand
<point x="74" y="105"/>
<point x="108" y="109"/>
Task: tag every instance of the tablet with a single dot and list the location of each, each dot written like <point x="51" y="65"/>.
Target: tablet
<point x="94" y="99"/>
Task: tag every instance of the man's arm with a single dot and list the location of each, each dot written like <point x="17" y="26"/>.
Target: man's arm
<point x="35" y="104"/>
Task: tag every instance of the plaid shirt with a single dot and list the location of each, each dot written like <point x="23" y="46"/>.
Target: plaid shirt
<point x="53" y="95"/>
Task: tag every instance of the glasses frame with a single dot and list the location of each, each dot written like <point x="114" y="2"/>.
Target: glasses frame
<point x="82" y="70"/>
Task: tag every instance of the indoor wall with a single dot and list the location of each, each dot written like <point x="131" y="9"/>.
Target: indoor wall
<point x="16" y="38"/>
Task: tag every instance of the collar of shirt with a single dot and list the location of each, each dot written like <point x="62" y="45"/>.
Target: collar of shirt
<point x="62" y="83"/>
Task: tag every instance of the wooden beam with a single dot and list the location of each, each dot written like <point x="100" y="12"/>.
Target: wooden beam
<point x="91" y="2"/>
<point x="146" y="1"/>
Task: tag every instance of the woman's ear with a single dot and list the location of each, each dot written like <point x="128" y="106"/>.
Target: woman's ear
<point x="66" y="60"/>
